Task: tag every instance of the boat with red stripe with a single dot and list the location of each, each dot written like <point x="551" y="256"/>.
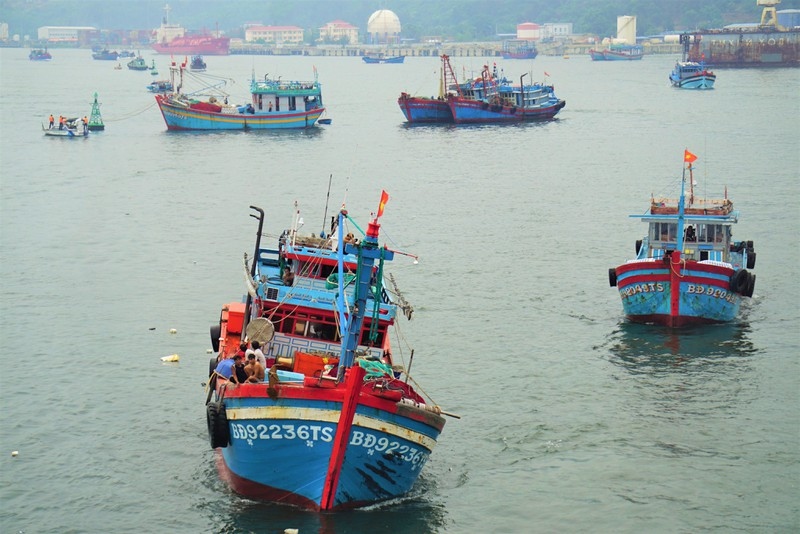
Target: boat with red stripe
<point x="338" y="423"/>
<point x="688" y="269"/>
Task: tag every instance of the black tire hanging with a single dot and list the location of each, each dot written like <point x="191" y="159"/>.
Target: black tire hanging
<point x="739" y="281"/>
<point x="612" y="277"/>
<point x="751" y="285"/>
<point x="751" y="260"/>
<point x="216" y="331"/>
<point x="638" y="246"/>
<point x="219" y="433"/>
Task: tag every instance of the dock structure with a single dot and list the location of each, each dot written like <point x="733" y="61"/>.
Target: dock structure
<point x="487" y="49"/>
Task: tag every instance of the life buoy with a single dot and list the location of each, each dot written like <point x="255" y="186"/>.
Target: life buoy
<point x="219" y="433"/>
<point x="612" y="277"/>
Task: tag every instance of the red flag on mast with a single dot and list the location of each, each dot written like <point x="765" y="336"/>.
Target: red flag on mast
<point x="688" y="157"/>
<point x="384" y="200"/>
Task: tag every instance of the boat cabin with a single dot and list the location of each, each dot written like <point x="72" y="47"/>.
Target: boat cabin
<point x="704" y="238"/>
<point x="297" y="293"/>
<point x="279" y="96"/>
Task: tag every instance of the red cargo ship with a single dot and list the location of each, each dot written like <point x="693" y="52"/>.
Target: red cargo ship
<point x="195" y="45"/>
<point x="172" y="39"/>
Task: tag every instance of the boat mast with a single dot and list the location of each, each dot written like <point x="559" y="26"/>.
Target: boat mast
<point x="367" y="251"/>
<point x="682" y="208"/>
<point x="249" y="301"/>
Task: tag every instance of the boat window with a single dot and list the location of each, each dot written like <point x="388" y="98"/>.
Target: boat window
<point x="292" y="103"/>
<point x="712" y="233"/>
<point x="664" y="231"/>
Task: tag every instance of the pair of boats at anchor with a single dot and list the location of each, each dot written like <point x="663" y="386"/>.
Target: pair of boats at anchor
<point x="691" y="74"/>
<point x="688" y="269"/>
<point x="274" y="104"/>
<point x="489" y="98"/>
<point x="338" y="424"/>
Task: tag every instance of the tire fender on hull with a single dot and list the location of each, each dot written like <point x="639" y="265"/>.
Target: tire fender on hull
<point x="612" y="277"/>
<point x="219" y="433"/>
<point x="739" y="281"/>
<point x="215" y="331"/>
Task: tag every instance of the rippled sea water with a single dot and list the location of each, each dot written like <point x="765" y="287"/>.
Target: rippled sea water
<point x="572" y="419"/>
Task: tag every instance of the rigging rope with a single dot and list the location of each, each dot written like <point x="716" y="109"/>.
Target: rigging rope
<point x="130" y="115"/>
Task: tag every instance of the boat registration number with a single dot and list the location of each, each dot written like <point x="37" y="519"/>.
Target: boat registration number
<point x="711" y="292"/>
<point x="385" y="446"/>
<point x="308" y="433"/>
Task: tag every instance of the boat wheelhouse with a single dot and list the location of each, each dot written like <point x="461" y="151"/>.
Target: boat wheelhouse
<point x="688" y="269"/>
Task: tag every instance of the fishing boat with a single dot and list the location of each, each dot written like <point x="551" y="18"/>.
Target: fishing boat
<point x="172" y="39"/>
<point x="160" y="86"/>
<point x="493" y="99"/>
<point x="105" y="55"/>
<point x="338" y="423"/>
<point x="688" y="269"/>
<point x="425" y="110"/>
<point x="519" y="49"/>
<point x="72" y="129"/>
<point x="197" y="64"/>
<point x="382" y="58"/>
<point x="618" y="52"/>
<point x="39" y="54"/>
<point x="691" y="74"/>
<point x="275" y="104"/>
<point x="138" y="63"/>
<point x="127" y="53"/>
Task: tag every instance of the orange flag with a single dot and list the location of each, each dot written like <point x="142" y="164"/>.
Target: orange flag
<point x="688" y="157"/>
<point x="384" y="200"/>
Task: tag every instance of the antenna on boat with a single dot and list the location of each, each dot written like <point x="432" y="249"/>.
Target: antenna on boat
<point x="327" y="200"/>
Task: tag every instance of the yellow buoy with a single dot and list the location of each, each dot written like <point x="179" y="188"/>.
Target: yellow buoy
<point x="171" y="358"/>
<point x="173" y="331"/>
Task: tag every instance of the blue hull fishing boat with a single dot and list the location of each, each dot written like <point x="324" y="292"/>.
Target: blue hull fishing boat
<point x="105" y="55"/>
<point x="688" y="269"/>
<point x="275" y="104"/>
<point x="618" y="52"/>
<point x="492" y="99"/>
<point x="337" y="425"/>
<point x="691" y="74"/>
<point x="160" y="86"/>
<point x="519" y="49"/>
<point x="40" y="55"/>
<point x="138" y="63"/>
<point x="381" y="58"/>
<point x="197" y="64"/>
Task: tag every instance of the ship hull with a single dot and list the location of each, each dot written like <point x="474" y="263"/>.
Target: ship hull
<point x="425" y="110"/>
<point x="670" y="294"/>
<point x="200" y="46"/>
<point x="467" y="111"/>
<point x="285" y="449"/>
<point x="178" y="117"/>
